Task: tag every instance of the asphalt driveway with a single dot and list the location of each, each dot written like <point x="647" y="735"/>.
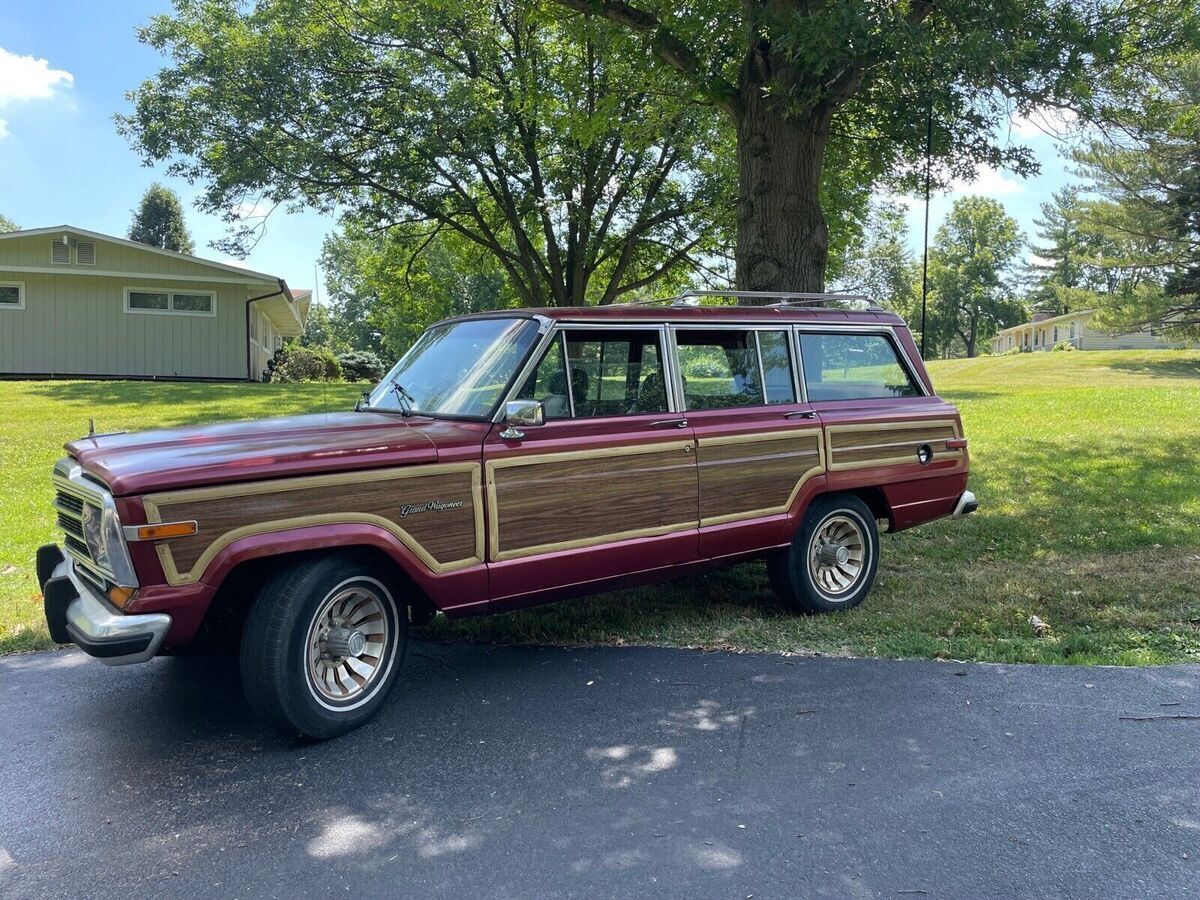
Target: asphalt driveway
<point x="512" y="772"/>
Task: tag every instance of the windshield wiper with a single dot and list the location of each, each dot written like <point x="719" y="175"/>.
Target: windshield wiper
<point x="406" y="400"/>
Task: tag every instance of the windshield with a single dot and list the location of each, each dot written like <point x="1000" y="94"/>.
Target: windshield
<point x="457" y="369"/>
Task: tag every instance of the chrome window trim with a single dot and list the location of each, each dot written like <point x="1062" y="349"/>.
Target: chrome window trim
<point x="562" y="343"/>
<point x="888" y="333"/>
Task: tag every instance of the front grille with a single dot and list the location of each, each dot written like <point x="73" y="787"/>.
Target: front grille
<point x="69" y="502"/>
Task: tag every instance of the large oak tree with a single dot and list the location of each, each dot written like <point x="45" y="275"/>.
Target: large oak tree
<point x="794" y="75"/>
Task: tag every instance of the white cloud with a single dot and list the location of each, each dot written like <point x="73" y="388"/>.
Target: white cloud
<point x="988" y="182"/>
<point x="27" y="78"/>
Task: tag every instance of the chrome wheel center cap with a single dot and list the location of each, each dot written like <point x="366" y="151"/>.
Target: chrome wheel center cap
<point x="833" y="554"/>
<point x="342" y="642"/>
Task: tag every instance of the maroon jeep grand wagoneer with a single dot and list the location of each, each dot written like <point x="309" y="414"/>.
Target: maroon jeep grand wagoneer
<point x="510" y="458"/>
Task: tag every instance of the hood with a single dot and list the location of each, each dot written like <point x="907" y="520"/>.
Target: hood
<point x="196" y="455"/>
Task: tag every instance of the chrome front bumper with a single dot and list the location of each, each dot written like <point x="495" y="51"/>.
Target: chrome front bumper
<point x="76" y="613"/>
<point x="966" y="504"/>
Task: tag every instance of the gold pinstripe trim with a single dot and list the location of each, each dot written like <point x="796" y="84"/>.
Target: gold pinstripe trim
<point x="153" y="502"/>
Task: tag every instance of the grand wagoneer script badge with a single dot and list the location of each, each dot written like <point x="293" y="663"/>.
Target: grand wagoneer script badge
<point x="431" y="506"/>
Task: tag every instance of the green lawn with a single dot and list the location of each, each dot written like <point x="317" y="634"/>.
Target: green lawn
<point x="1087" y="467"/>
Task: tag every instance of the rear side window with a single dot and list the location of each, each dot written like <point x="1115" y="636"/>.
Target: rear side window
<point x="719" y="369"/>
<point x="853" y="367"/>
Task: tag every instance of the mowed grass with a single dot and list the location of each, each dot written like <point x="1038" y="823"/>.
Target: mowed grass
<point x="1087" y="467"/>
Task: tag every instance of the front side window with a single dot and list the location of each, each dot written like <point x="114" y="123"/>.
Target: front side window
<point x="719" y="368"/>
<point x="459" y="369"/>
<point x="853" y="367"/>
<point x="548" y="383"/>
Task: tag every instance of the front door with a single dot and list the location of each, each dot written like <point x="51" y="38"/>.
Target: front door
<point x="760" y="452"/>
<point x="607" y="486"/>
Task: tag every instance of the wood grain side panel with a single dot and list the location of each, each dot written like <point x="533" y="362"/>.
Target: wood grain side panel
<point x="560" y="501"/>
<point x="744" y="476"/>
<point x="436" y="511"/>
<point x="864" y="446"/>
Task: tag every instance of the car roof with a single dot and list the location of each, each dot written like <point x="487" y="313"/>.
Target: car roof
<point x="651" y="313"/>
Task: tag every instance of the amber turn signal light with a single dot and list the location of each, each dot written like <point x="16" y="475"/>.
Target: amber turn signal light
<point x="119" y="596"/>
<point x="165" y="530"/>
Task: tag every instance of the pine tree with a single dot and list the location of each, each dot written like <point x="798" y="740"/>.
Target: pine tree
<point x="158" y="221"/>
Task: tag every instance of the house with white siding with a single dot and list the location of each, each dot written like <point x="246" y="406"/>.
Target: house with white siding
<point x="75" y="302"/>
<point x="1046" y="330"/>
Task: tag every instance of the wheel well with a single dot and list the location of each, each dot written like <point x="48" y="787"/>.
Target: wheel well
<point x="222" y="625"/>
<point x="876" y="502"/>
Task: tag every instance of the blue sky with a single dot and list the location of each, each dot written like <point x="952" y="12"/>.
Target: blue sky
<point x="64" y="68"/>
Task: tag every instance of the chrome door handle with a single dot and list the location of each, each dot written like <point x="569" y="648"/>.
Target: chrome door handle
<point x="800" y="414"/>
<point x="678" y="423"/>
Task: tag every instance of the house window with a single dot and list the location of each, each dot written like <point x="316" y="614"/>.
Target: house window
<point x="1056" y="334"/>
<point x="165" y="302"/>
<point x="254" y="327"/>
<point x="12" y="295"/>
<point x="1072" y="331"/>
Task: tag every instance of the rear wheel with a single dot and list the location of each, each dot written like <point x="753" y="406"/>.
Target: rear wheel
<point x="833" y="557"/>
<point x="322" y="646"/>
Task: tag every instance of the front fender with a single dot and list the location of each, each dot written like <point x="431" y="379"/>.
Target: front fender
<point x="459" y="591"/>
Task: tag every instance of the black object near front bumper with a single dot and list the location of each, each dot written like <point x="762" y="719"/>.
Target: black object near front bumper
<point x="76" y="614"/>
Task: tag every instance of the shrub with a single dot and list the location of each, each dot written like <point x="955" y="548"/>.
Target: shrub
<point x="1011" y="351"/>
<point x="308" y="364"/>
<point x="361" y="365"/>
<point x="1062" y="345"/>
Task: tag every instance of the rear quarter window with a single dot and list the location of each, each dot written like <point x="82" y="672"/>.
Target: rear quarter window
<point x="853" y="367"/>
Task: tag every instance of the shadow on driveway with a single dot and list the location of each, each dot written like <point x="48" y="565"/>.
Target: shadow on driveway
<point x="549" y="772"/>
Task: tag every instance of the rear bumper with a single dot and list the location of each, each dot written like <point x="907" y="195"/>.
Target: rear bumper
<point x="966" y="505"/>
<point x="75" y="613"/>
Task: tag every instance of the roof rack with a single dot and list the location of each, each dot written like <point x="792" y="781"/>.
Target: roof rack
<point x="783" y="299"/>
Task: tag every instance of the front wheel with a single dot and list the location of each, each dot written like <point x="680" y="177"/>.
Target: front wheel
<point x="832" y="559"/>
<point x="322" y="646"/>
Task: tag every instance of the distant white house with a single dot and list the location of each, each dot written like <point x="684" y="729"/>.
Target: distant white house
<point x="77" y="302"/>
<point x="1046" y="330"/>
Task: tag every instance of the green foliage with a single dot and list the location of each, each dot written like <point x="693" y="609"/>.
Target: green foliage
<point x="522" y="129"/>
<point x="972" y="290"/>
<point x="361" y="365"/>
<point x="385" y="288"/>
<point x="1068" y="269"/>
<point x="158" y="221"/>
<point x="308" y="364"/>
<point x="1060" y="346"/>
<point x="1146" y="210"/>
<point x="880" y="265"/>
<point x="7" y="224"/>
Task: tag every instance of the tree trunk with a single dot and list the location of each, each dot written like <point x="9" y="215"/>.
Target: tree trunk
<point x="782" y="238"/>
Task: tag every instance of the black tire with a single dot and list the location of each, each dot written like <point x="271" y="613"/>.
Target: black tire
<point x="292" y="611"/>
<point x="810" y="588"/>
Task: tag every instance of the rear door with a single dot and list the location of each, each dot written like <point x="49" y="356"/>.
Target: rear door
<point x="759" y="452"/>
<point x="607" y="486"/>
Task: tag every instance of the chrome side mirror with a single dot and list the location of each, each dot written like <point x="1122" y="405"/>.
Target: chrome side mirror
<point x="522" y="414"/>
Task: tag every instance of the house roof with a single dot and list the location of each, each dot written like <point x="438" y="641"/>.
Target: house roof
<point x="1053" y="320"/>
<point x="96" y="235"/>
